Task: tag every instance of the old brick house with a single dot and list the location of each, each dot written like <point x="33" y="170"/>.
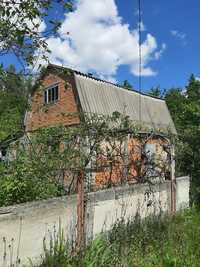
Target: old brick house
<point x="64" y="91"/>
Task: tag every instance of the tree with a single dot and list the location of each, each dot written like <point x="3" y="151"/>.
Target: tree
<point x="127" y="85"/>
<point x="176" y="102"/>
<point x="14" y="90"/>
<point x="21" y="32"/>
<point x="193" y="89"/>
<point x="14" y="83"/>
<point x="185" y="111"/>
<point x="157" y="92"/>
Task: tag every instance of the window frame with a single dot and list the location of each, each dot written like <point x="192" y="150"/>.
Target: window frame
<point x="49" y="91"/>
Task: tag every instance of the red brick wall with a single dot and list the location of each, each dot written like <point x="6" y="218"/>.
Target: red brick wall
<point x="134" y="152"/>
<point x="44" y="115"/>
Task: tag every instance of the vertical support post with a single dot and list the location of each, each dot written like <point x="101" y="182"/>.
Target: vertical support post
<point x="173" y="180"/>
<point x="125" y="159"/>
<point x="80" y="212"/>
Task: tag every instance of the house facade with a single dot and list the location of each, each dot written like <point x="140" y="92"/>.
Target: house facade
<point x="63" y="93"/>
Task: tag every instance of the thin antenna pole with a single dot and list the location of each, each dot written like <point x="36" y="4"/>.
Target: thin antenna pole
<point x="140" y="76"/>
<point x="140" y="58"/>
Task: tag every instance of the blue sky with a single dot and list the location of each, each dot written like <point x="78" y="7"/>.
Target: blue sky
<point x="103" y="39"/>
<point x="182" y="54"/>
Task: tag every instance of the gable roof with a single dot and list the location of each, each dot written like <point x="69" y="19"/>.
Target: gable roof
<point x="103" y="97"/>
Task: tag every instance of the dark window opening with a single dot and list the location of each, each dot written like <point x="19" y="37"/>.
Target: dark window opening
<point x="51" y="95"/>
<point x="45" y="97"/>
<point x="3" y="153"/>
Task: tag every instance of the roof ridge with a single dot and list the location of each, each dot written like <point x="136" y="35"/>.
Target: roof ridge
<point x="101" y="80"/>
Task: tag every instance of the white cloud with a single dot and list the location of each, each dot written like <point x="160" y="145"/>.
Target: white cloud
<point x="173" y="32"/>
<point x="179" y="35"/>
<point x="100" y="42"/>
<point x="158" y="54"/>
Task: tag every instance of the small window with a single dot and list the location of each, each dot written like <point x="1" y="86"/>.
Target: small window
<point x="51" y="95"/>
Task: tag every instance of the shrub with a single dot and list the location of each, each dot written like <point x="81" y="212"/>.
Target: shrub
<point x="23" y="184"/>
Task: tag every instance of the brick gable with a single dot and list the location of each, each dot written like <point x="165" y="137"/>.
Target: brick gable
<point x="44" y="115"/>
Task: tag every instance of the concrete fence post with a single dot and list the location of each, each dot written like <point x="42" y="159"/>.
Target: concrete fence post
<point x="173" y="181"/>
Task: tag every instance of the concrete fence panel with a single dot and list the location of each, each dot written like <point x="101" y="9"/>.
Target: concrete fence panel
<point x="25" y="226"/>
<point x="182" y="192"/>
<point x="108" y="206"/>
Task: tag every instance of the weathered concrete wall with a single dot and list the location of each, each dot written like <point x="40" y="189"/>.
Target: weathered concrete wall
<point x="182" y="192"/>
<point x="109" y="205"/>
<point x="40" y="219"/>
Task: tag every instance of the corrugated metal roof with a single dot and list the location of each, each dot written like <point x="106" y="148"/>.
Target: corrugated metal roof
<point x="105" y="98"/>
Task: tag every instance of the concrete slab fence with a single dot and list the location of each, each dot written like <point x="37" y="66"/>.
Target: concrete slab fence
<point x="24" y="226"/>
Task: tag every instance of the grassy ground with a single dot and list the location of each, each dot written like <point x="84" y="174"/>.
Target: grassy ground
<point x="167" y="242"/>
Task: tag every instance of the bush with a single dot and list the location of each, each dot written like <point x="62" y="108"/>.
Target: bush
<point x="20" y="183"/>
<point x="15" y="191"/>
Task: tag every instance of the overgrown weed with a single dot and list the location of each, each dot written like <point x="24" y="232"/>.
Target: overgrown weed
<point x="167" y="241"/>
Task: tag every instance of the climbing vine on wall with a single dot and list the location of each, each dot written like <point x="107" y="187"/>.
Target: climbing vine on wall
<point x="109" y="150"/>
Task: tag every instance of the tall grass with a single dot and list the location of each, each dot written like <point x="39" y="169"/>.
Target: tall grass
<point x="153" y="242"/>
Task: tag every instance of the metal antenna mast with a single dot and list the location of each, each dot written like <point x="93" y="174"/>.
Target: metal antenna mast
<point x="140" y="58"/>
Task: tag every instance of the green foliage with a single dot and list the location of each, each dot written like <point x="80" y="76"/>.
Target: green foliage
<point x="193" y="88"/>
<point x="99" y="254"/>
<point x="57" y="253"/>
<point x="15" y="191"/>
<point x="14" y="90"/>
<point x="47" y="162"/>
<point x="20" y="27"/>
<point x="22" y="184"/>
<point x="156" y="91"/>
<point x="184" y="106"/>
<point x="12" y="109"/>
<point x="156" y="241"/>
<point x="127" y="85"/>
<point x="38" y="165"/>
<point x="80" y="144"/>
<point x="176" y="102"/>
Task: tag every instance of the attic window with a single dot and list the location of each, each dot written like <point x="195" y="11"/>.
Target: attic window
<point x="51" y="95"/>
